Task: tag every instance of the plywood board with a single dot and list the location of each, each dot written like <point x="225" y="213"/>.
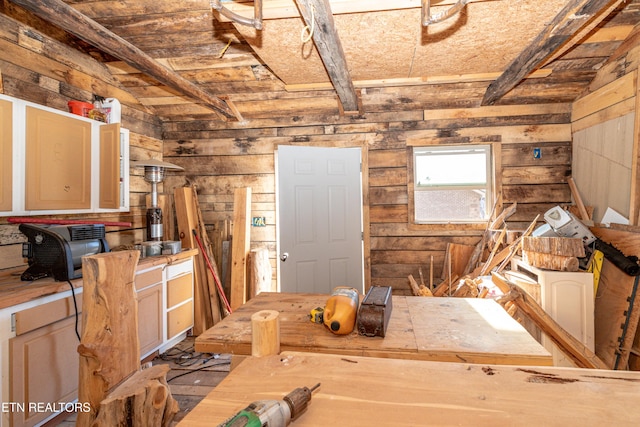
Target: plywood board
<point x="392" y="44"/>
<point x="443" y="329"/>
<point x="614" y="334"/>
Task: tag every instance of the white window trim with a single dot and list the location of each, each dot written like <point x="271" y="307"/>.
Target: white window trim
<point x="487" y="148"/>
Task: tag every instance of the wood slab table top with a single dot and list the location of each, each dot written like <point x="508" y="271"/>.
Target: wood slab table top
<point x="472" y="330"/>
<point x="365" y="391"/>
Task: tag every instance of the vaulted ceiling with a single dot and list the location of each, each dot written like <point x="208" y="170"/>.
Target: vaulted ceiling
<point x="183" y="60"/>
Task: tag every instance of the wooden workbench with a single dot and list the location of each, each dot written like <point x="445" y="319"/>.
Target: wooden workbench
<point x="470" y="330"/>
<point x="365" y="391"/>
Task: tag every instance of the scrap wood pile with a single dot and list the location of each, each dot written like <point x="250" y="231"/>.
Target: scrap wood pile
<point x="465" y="265"/>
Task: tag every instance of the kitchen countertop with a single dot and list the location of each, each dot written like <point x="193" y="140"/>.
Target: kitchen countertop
<point x="14" y="291"/>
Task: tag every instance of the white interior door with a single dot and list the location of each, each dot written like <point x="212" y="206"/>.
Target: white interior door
<point x="320" y="219"/>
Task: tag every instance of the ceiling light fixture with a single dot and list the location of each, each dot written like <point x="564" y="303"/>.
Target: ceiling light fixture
<point x="428" y="19"/>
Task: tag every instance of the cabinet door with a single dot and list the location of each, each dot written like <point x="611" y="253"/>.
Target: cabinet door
<point x="150" y="319"/>
<point x="110" y="157"/>
<point x="58" y="161"/>
<point x="6" y="155"/>
<point x="44" y="369"/>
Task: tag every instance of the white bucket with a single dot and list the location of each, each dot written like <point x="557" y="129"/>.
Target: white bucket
<point x="111" y="108"/>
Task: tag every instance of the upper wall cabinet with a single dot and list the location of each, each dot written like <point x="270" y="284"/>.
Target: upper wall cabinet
<point x="6" y="154"/>
<point x="58" y="161"/>
<point x="62" y="162"/>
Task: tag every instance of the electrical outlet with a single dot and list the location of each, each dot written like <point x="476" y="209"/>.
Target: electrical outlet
<point x="537" y="153"/>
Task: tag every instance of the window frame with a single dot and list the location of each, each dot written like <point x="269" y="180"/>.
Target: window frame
<point x="491" y="185"/>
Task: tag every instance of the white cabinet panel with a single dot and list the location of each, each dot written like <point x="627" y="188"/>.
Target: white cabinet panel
<point x="568" y="298"/>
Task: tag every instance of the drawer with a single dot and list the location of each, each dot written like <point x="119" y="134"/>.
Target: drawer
<point x="42" y="315"/>
<point x="179" y="319"/>
<point x="177" y="269"/>
<point x="179" y="290"/>
<point x="148" y="278"/>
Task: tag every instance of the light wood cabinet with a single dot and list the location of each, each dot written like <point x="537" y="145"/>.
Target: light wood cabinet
<point x="150" y="319"/>
<point x="148" y="286"/>
<point x="110" y="160"/>
<point x="43" y="360"/>
<point x="165" y="304"/>
<point x="72" y="164"/>
<point x="58" y="161"/>
<point x="179" y="299"/>
<point x="6" y="155"/>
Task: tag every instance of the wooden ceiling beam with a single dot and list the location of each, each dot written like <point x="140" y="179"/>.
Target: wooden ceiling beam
<point x="71" y="20"/>
<point x="318" y="16"/>
<point x="574" y="16"/>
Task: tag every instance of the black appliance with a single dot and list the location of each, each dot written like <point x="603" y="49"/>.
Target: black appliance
<point x="57" y="250"/>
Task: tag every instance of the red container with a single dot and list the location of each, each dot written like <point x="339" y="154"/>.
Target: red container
<point x="80" y="108"/>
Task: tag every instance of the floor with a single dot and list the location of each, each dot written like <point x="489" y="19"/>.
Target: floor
<point x="192" y="376"/>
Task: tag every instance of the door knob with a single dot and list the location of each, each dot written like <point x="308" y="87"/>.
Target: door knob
<point x="284" y="256"/>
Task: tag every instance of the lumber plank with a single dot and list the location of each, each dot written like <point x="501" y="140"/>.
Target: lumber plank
<point x="213" y="275"/>
<point x="456" y="259"/>
<point x="614" y="336"/>
<point x="187" y="221"/>
<point x="241" y="246"/>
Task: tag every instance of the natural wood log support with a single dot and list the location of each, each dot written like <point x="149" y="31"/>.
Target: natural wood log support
<point x="265" y="333"/>
<point x="144" y="400"/>
<point x="567" y="246"/>
<point x="560" y="30"/>
<point x="69" y="19"/>
<point x="318" y="16"/>
<point x="109" y="348"/>
<point x="259" y="272"/>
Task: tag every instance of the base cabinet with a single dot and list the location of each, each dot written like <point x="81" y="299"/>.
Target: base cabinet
<point x="569" y="299"/>
<point x="39" y="340"/>
<point x="165" y="304"/>
<point x="43" y="359"/>
<point x="150" y="319"/>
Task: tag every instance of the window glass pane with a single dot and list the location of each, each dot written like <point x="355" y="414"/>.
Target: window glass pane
<point x="451" y="168"/>
<point x="450" y="205"/>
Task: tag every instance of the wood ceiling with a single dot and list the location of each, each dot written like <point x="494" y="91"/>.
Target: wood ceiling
<point x="493" y="52"/>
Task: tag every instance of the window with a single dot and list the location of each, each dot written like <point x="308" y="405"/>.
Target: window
<point x="452" y="183"/>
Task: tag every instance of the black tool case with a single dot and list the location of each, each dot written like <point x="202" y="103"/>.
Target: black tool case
<point x="375" y="312"/>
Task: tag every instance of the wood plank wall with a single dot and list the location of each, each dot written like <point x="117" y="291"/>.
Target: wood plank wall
<point x="613" y="94"/>
<point x="220" y="160"/>
<point x="50" y="73"/>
